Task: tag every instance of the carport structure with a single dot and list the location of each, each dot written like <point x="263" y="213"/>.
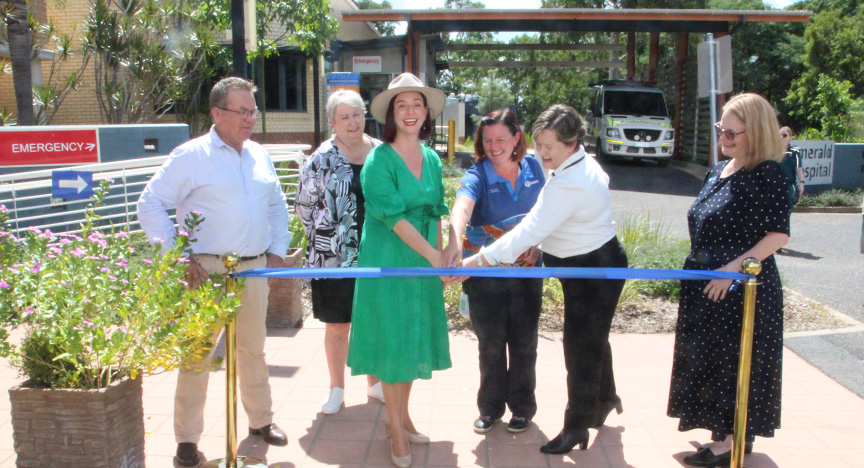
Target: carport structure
<point x="564" y="20"/>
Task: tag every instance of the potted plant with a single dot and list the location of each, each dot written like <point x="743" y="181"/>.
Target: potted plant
<point x="83" y="317"/>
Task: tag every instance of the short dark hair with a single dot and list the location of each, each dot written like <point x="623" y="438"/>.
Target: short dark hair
<point x="390" y="122"/>
<point x="569" y="126"/>
<point x="219" y="93"/>
<point x="504" y="117"/>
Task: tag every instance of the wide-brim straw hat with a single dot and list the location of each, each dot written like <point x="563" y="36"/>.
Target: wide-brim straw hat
<point x="435" y="98"/>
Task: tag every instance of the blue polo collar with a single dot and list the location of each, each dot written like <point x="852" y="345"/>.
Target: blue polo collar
<point x="492" y="177"/>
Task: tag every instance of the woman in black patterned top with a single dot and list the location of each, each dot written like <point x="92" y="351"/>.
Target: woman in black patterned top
<point x="330" y="205"/>
<point x="741" y="211"/>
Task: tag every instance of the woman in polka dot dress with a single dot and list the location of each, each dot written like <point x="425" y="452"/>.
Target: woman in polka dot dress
<point x="742" y="211"/>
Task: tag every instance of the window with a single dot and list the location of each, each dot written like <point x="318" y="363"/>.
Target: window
<point x="285" y="82"/>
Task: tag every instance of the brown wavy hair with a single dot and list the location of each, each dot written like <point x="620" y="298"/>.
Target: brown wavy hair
<point x="503" y="117"/>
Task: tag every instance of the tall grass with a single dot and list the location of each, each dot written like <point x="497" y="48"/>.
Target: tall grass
<point x="833" y="197"/>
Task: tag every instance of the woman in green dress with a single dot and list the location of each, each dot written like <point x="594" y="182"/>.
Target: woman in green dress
<point x="400" y="328"/>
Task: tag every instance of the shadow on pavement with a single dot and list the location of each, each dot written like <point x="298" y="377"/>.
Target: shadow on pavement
<point x="648" y="177"/>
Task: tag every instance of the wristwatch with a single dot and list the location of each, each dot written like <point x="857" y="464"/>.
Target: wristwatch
<point x="479" y="260"/>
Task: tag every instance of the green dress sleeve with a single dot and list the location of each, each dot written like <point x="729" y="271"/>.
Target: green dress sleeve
<point x="431" y="157"/>
<point x="380" y="187"/>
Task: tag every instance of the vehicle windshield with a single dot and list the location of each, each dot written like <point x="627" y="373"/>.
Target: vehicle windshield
<point x="634" y="103"/>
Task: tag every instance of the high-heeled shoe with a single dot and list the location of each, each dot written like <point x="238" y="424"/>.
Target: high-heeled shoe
<point x="566" y="440"/>
<point x="604" y="409"/>
<point x="416" y="439"/>
<point x="401" y="462"/>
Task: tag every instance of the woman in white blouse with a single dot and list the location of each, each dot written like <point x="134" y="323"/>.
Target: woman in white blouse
<point x="572" y="223"/>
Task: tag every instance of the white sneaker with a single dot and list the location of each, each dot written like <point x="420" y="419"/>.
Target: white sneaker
<point x="376" y="392"/>
<point x="334" y="401"/>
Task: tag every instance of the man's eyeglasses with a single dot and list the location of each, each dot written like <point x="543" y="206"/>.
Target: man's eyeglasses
<point x="244" y="113"/>
<point x="730" y="134"/>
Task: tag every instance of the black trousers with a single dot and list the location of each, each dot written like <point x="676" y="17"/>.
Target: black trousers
<point x="505" y="313"/>
<point x="589" y="305"/>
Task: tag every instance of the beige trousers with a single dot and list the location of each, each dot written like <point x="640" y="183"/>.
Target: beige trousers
<point x="252" y="371"/>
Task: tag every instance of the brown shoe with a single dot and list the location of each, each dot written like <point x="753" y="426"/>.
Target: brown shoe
<point x="272" y="435"/>
<point x="187" y="454"/>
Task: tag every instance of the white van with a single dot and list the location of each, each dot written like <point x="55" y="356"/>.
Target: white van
<point x="629" y="119"/>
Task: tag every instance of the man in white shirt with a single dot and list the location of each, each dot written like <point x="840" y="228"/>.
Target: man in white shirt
<point x="233" y="184"/>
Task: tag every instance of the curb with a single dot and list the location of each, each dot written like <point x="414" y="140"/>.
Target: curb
<point x="827" y="209"/>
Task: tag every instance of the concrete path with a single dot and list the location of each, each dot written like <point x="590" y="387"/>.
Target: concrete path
<point x="823" y="423"/>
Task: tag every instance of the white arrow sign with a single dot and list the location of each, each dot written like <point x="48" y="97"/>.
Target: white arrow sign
<point x="79" y="183"/>
<point x="90" y="146"/>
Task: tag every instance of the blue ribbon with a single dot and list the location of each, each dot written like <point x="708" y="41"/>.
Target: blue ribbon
<point x="503" y="272"/>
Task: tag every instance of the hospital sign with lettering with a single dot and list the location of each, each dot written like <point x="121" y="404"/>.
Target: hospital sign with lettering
<point x="42" y="147"/>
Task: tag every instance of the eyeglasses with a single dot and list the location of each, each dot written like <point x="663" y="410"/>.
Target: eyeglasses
<point x="730" y="134"/>
<point x="244" y="113"/>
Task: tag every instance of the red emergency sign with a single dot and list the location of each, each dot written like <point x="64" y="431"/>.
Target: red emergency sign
<point x="48" y="147"/>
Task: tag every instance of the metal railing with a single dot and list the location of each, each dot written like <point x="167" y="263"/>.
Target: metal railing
<point x="27" y="195"/>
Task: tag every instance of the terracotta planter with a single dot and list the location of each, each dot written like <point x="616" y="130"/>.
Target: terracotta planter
<point x="79" y="428"/>
<point x="285" y="307"/>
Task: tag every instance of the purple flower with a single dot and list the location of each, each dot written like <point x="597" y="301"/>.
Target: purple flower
<point x="29" y="311"/>
<point x="122" y="234"/>
<point x="122" y="263"/>
<point x="123" y="329"/>
<point x="109" y="180"/>
<point x="36" y="268"/>
<point x="4" y="284"/>
<point x="172" y="322"/>
<point x="131" y="249"/>
<point x="3" y="208"/>
<point x="34" y="230"/>
<point x="78" y="252"/>
<point x="183" y="233"/>
<point x="51" y="256"/>
<point x="56" y="250"/>
<point x="112" y="278"/>
<point x="103" y="269"/>
<point x="86" y="299"/>
<point x="183" y="282"/>
<point x="195" y="212"/>
<point x="182" y="260"/>
<point x="230" y="294"/>
<point x="158" y="240"/>
<point x="65" y="241"/>
<point x="147" y="261"/>
<point x="47" y="234"/>
<point x="103" y="257"/>
<point x="87" y="322"/>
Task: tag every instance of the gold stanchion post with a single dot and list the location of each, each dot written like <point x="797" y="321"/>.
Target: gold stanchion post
<point x="231" y="260"/>
<point x="451" y="140"/>
<point x="751" y="266"/>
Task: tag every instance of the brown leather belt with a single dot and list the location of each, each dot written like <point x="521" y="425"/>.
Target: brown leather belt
<point x="242" y="259"/>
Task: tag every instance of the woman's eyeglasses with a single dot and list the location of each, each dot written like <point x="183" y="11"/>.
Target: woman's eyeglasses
<point x="730" y="134"/>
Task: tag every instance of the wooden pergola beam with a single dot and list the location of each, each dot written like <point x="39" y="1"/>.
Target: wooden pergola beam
<point x="536" y="63"/>
<point x="517" y="47"/>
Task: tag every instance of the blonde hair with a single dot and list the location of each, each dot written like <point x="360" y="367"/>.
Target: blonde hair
<point x="761" y="126"/>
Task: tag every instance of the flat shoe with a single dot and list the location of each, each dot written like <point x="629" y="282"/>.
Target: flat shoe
<point x="334" y="401"/>
<point x="518" y="424"/>
<point x="705" y="458"/>
<point x="484" y="424"/>
<point x="187" y="454"/>
<point x="272" y="434"/>
<point x="376" y="392"/>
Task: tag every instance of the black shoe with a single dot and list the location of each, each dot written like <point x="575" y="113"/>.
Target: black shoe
<point x="566" y="440"/>
<point x="484" y="424"/>
<point x="187" y="454"/>
<point x="603" y="410"/>
<point x="272" y="435"/>
<point x="704" y="457"/>
<point x="518" y="424"/>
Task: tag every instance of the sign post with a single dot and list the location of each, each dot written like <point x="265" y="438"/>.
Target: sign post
<point x="715" y="77"/>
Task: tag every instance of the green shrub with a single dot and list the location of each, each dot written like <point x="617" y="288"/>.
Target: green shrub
<point x="833" y="197"/>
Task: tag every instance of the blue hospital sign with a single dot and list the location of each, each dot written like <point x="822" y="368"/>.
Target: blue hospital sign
<point x="72" y="185"/>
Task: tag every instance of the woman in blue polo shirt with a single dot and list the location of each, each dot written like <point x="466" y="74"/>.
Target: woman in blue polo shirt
<point x="495" y="194"/>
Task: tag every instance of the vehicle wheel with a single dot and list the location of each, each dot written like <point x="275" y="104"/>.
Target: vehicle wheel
<point x="663" y="162"/>
<point x="598" y="151"/>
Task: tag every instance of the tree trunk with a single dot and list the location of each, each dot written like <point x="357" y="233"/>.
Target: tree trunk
<point x="20" y="53"/>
